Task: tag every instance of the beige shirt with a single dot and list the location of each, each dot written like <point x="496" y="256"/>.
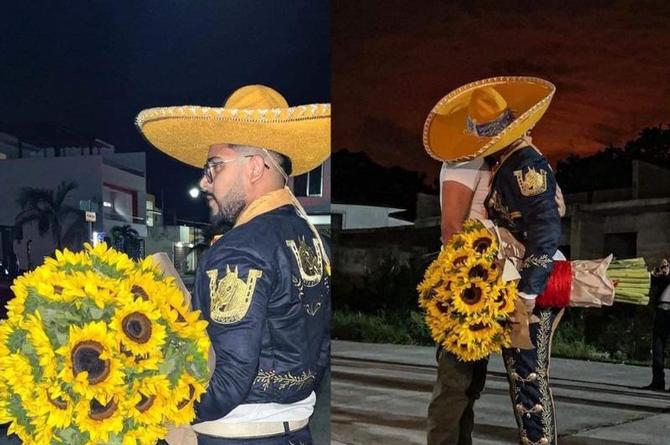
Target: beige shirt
<point x="475" y="175"/>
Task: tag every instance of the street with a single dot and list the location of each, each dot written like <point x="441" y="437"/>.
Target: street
<point x="380" y="395"/>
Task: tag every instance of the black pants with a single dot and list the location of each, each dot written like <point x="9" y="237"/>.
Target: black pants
<point x="659" y="339"/>
<point x="451" y="416"/>
<point x="528" y="376"/>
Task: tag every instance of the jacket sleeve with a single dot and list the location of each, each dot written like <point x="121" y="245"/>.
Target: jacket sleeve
<point x="232" y="293"/>
<point x="534" y="187"/>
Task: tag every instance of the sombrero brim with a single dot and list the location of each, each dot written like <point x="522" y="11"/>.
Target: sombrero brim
<point x="444" y="134"/>
<point x="301" y="133"/>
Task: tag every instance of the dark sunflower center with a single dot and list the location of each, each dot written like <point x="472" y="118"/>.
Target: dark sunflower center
<point x="481" y="244"/>
<point x="139" y="291"/>
<point x="500" y="299"/>
<point x="479" y="271"/>
<point x="86" y="357"/>
<point x="471" y="295"/>
<point x="98" y="411"/>
<point x="180" y="317"/>
<point x="145" y="403"/>
<point x="477" y="327"/>
<point x="58" y="402"/>
<point x="137" y="327"/>
<point x="442" y="307"/>
<point x="460" y="261"/>
<point x="191" y="393"/>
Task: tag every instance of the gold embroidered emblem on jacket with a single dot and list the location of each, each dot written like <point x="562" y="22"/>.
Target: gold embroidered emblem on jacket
<point x="310" y="261"/>
<point x="230" y="297"/>
<point x="533" y="182"/>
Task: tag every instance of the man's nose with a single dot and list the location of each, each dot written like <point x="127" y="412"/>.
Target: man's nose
<point x="204" y="183"/>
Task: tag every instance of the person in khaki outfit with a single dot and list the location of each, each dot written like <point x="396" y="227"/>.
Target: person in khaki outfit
<point x="451" y="411"/>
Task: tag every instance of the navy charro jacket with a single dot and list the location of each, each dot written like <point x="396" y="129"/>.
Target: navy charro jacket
<point x="522" y="199"/>
<point x="265" y="292"/>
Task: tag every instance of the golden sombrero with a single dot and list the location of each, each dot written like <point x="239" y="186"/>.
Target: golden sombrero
<point x="253" y="115"/>
<point x="483" y="117"/>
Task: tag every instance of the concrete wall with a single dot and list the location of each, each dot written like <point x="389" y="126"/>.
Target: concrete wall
<point x="359" y="251"/>
<point x="588" y="230"/>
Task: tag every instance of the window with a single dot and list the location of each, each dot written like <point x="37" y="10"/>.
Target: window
<point x="309" y="184"/>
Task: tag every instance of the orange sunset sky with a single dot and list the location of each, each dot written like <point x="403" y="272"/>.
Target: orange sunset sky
<point x="393" y="60"/>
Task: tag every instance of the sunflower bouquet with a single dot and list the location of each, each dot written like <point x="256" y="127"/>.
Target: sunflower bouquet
<point x="465" y="299"/>
<point x="99" y="349"/>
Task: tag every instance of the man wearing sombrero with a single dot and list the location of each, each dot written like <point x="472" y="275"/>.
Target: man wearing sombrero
<point x="490" y="119"/>
<point x="264" y="286"/>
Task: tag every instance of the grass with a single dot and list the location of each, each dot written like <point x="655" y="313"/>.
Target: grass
<point x="408" y="328"/>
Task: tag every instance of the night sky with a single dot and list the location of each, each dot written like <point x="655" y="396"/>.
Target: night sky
<point x="92" y="66"/>
<point x="393" y="60"/>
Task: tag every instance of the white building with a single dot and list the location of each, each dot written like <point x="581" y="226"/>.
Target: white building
<point x="111" y="184"/>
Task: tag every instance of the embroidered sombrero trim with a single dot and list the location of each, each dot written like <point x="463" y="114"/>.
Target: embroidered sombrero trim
<point x="273" y="115"/>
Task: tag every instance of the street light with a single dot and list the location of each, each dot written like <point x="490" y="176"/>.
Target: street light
<point x="194" y="192"/>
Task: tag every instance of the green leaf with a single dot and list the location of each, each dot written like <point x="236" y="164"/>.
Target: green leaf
<point x="16" y="340"/>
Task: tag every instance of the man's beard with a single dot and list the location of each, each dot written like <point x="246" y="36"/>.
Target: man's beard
<point x="230" y="207"/>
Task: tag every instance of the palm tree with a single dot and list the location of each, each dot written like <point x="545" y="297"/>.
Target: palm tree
<point x="48" y="209"/>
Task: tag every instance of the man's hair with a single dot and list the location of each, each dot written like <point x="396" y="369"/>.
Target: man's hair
<point x="283" y="161"/>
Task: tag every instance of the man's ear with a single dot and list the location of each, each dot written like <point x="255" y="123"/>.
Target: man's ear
<point x="256" y="168"/>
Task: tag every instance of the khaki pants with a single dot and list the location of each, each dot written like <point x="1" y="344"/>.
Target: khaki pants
<point x="451" y="416"/>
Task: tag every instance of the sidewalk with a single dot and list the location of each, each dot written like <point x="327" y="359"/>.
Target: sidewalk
<point x="380" y="394"/>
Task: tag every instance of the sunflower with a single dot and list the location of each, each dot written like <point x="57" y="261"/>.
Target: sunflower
<point x="137" y="327"/>
<point x="20" y="430"/>
<point x="454" y="259"/>
<point x="470" y="298"/>
<point x="16" y="306"/>
<point x="40" y="342"/>
<point x="150" y="397"/>
<point x="100" y="419"/>
<point x="502" y="302"/>
<point x="439" y="320"/>
<point x="483" y="242"/>
<point x="18" y="374"/>
<point x="4" y="402"/>
<point x="144" y="434"/>
<point x="116" y="263"/>
<point x="482" y="329"/>
<point x="6" y="329"/>
<point x="90" y="362"/>
<point x="464" y="351"/>
<point x="55" y="405"/>
<point x="180" y="410"/>
<point x="478" y="270"/>
<point x="68" y="260"/>
<point x="431" y="278"/>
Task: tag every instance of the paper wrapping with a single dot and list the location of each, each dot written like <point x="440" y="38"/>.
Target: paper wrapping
<point x="180" y="435"/>
<point x="590" y="285"/>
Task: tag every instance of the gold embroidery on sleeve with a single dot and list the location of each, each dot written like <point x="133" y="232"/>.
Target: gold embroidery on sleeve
<point x="231" y="297"/>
